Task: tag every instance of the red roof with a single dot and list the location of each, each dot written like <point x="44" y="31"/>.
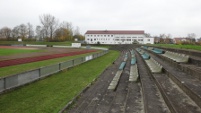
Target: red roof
<point x="115" y="32"/>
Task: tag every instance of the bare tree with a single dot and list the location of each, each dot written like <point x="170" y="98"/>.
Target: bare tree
<point x="38" y="32"/>
<point x="30" y="30"/>
<point x="147" y="34"/>
<point x="191" y="36"/>
<point x="15" y="32"/>
<point x="69" y="27"/>
<point x="77" y="31"/>
<point x="5" y="32"/>
<point x="49" y="23"/>
<point x="23" y="31"/>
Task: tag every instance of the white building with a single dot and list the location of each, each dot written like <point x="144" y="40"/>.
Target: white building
<point x="117" y="37"/>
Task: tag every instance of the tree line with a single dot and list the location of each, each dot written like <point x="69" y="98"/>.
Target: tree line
<point x="49" y="30"/>
<point x="168" y="39"/>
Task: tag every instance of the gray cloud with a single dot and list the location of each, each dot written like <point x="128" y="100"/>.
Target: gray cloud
<point x="177" y="17"/>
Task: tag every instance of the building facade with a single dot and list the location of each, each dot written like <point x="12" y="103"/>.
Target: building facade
<point x="117" y="37"/>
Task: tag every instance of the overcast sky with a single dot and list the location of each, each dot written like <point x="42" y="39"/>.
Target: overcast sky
<point x="175" y="17"/>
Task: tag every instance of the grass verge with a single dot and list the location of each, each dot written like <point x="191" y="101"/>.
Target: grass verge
<point x="5" y="52"/>
<point x="10" y="70"/>
<point x="53" y="93"/>
<point x="192" y="47"/>
<point x="67" y="43"/>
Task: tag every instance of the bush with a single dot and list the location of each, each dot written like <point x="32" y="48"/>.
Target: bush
<point x="8" y="39"/>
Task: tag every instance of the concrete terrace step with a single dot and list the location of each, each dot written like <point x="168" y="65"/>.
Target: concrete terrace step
<point x="133" y="73"/>
<point x="115" y="80"/>
<point x="97" y="93"/>
<point x="189" y="84"/>
<point x="176" y="99"/>
<point x="140" y="50"/>
<point x="191" y="69"/>
<point x="154" y="66"/>
<point x="176" y="56"/>
<point x="152" y="98"/>
<point x="163" y="86"/>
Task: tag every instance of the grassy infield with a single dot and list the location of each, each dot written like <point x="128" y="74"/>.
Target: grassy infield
<point x="53" y="93"/>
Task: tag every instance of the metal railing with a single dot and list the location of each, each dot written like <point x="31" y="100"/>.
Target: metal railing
<point x="20" y="79"/>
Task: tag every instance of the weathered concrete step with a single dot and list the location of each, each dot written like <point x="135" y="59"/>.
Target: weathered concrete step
<point x="104" y="104"/>
<point x="88" y="101"/>
<point x="133" y="73"/>
<point x="120" y="100"/>
<point x="192" y="70"/>
<point x="152" y="99"/>
<point x="176" y="99"/>
<point x="176" y="56"/>
<point x="115" y="80"/>
<point x="154" y="66"/>
<point x="189" y="84"/>
<point x="134" y="98"/>
<point x="188" y="68"/>
<point x="194" y="60"/>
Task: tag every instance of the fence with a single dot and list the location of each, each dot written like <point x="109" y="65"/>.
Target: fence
<point x="17" y="80"/>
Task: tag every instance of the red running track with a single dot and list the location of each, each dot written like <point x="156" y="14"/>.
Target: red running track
<point x="18" y="61"/>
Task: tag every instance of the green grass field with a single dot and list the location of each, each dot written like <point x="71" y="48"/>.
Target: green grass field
<point x="6" y="51"/>
<point x="35" y="43"/>
<point x="10" y="70"/>
<point x="192" y="47"/>
<point x="53" y="93"/>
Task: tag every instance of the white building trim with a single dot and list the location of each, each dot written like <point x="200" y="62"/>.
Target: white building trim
<point x="116" y="37"/>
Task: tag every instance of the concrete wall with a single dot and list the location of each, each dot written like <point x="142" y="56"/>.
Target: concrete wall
<point x="17" y="80"/>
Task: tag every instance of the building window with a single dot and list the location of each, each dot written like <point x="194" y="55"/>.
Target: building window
<point x="94" y="35"/>
<point x="104" y="35"/>
<point x="148" y="39"/>
<point x="108" y="35"/>
<point x="98" y="35"/>
<point x="111" y="35"/>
